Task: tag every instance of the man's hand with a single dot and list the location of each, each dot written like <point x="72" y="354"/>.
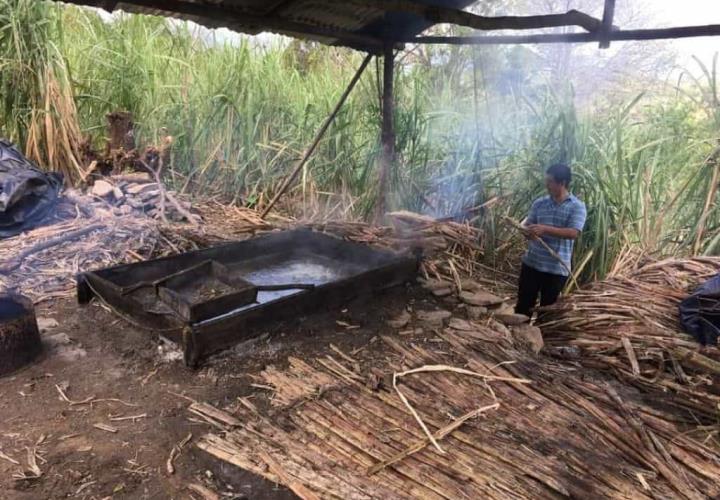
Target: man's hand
<point x="536" y="231"/>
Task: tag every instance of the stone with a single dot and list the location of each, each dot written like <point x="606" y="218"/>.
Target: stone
<point x="442" y="292"/>
<point x="470" y="285"/>
<point x="138" y="205"/>
<point x="118" y="194"/>
<point x="62" y="345"/>
<point x="102" y="189"/>
<point x="45" y="324"/>
<point x="503" y="308"/>
<point x="476" y="312"/>
<point x="461" y="325"/>
<point x="433" y="285"/>
<point x="480" y="298"/>
<point x="500" y="328"/>
<point x="399" y="321"/>
<point x="150" y="195"/>
<point x="434" y="318"/>
<point x="137" y="189"/>
<point x="512" y="319"/>
<point x="528" y="336"/>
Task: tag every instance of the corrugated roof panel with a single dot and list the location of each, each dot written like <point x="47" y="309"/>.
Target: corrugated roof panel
<point x="338" y="15"/>
<point x="355" y="24"/>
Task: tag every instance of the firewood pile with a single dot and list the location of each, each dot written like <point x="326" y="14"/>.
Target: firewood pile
<point x="451" y="250"/>
<point x="458" y="413"/>
<point x="629" y="324"/>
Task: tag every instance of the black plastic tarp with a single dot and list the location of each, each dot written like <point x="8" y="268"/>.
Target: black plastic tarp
<point x="27" y="194"/>
<point x="700" y="312"/>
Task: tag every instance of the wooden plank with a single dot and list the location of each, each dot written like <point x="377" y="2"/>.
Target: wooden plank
<point x="441" y="15"/>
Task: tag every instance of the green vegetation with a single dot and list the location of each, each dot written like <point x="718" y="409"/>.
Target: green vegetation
<point x="471" y="124"/>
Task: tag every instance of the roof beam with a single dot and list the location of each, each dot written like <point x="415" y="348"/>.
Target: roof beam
<point x="229" y="15"/>
<point x="606" y="28"/>
<point x="618" y="35"/>
<point x="437" y="15"/>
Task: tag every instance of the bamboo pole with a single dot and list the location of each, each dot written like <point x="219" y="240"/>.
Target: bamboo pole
<point x="318" y="137"/>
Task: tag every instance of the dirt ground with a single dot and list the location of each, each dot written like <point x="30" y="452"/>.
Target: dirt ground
<point x="89" y="353"/>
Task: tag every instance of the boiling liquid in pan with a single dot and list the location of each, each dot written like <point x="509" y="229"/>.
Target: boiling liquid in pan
<point x="305" y="270"/>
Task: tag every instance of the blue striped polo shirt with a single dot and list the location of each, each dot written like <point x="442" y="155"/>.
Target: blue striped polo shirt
<point x="571" y="213"/>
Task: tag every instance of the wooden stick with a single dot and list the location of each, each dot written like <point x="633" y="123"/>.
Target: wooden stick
<point x="552" y="252"/>
<point x="442" y="368"/>
<point x="296" y="487"/>
<point x="442" y="15"/>
<point x="203" y="491"/>
<point x="44" y="245"/>
<point x="318" y="137"/>
<point x="616" y="35"/>
<point x="631" y="355"/>
<point x="455" y="424"/>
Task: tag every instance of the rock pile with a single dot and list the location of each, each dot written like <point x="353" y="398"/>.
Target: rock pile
<point x="481" y="306"/>
<point x="138" y="193"/>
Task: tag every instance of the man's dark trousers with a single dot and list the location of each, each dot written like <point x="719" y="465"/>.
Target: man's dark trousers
<point x="534" y="283"/>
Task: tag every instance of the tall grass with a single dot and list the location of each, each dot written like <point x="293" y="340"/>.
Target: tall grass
<point x="644" y="174"/>
<point x="37" y="106"/>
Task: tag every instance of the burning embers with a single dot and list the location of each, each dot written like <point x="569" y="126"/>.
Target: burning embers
<point x="19" y="336"/>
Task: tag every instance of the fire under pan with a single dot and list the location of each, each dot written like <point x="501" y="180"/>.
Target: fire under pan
<point x="211" y="299"/>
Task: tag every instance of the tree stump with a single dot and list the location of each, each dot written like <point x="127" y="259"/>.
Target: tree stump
<point x="121" y="131"/>
<point x="19" y="335"/>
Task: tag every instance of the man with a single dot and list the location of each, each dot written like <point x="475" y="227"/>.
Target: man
<point x="557" y="219"/>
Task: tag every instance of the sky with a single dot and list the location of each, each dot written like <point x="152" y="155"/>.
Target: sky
<point x="688" y="13"/>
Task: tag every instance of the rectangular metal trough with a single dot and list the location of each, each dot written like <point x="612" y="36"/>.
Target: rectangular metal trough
<point x="211" y="299"/>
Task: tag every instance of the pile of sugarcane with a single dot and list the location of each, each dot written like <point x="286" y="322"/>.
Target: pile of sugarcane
<point x="448" y="415"/>
<point x="451" y="250"/>
<point x="629" y="323"/>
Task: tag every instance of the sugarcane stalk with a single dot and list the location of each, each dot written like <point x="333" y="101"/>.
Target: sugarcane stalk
<point x="552" y="252"/>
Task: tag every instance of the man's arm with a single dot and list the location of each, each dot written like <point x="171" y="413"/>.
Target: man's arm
<point x="571" y="232"/>
<point x="566" y="233"/>
<point x="530" y="220"/>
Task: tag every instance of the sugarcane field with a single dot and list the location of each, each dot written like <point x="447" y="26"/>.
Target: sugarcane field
<point x="437" y="249"/>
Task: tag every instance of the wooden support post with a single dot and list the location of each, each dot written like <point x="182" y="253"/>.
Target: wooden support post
<point x="387" y="138"/>
<point x="308" y="153"/>
<point x="607" y="20"/>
